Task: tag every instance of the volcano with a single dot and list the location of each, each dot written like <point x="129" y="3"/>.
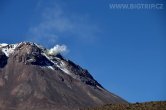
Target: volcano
<point x="33" y="79"/>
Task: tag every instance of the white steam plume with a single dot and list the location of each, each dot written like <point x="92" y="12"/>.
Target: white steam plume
<point x="57" y="49"/>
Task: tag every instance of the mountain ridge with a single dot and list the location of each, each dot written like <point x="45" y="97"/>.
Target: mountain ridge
<point x="31" y="78"/>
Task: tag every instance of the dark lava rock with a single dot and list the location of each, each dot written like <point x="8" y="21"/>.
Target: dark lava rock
<point x="3" y="59"/>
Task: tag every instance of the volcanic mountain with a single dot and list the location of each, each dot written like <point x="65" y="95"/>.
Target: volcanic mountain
<point x="33" y="79"/>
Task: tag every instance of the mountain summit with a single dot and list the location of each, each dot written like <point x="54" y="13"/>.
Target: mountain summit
<point x="33" y="79"/>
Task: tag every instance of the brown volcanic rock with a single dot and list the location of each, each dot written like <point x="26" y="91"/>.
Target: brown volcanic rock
<point x="32" y="80"/>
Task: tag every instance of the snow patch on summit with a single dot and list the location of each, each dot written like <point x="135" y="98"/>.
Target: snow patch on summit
<point x="8" y="49"/>
<point x="63" y="67"/>
<point x="3" y="44"/>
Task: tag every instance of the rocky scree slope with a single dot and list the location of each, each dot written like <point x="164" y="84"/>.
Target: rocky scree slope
<point x="32" y="79"/>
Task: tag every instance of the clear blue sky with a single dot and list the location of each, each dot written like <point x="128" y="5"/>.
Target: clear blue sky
<point x="125" y="50"/>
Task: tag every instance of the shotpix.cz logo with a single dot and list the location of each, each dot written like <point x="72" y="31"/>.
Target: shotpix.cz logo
<point x="137" y="6"/>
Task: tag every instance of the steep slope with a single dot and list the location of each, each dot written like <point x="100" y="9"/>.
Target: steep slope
<point x="32" y="79"/>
